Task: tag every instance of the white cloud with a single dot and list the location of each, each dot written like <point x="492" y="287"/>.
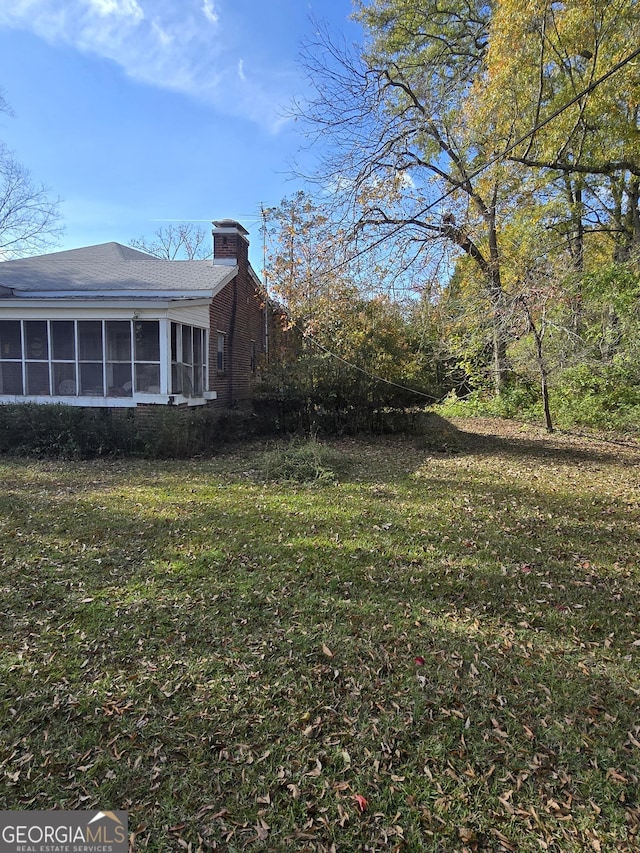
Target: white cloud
<point x="162" y="43"/>
<point x="121" y="8"/>
<point x="164" y="38"/>
<point x="209" y="11"/>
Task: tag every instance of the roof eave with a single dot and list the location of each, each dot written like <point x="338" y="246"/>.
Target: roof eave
<point x="164" y="300"/>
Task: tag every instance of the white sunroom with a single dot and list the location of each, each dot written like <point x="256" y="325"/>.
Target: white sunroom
<point x="118" y="359"/>
<point x="106" y="326"/>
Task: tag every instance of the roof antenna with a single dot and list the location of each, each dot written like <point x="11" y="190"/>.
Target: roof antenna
<point x="265" y="212"/>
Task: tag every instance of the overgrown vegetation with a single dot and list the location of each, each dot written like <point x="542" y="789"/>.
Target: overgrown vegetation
<point x="433" y="652"/>
<point x="570" y="339"/>
<point x="599" y="396"/>
<point x="301" y="461"/>
<point x="482" y="235"/>
<point x="68" y="432"/>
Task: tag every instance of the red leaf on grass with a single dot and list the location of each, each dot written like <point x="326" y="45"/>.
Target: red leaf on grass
<point x="361" y="801"/>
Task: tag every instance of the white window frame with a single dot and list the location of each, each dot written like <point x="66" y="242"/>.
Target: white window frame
<point x="105" y="362"/>
<point x="187" y="368"/>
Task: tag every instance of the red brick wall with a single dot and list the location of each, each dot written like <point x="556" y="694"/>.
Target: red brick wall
<point x="237" y="311"/>
<point x="229" y="245"/>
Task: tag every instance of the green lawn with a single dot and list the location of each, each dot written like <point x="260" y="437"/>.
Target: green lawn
<point x="454" y="638"/>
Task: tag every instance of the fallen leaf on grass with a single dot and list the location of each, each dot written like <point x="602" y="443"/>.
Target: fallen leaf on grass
<point x="360" y="801"/>
<point x="262" y="829"/>
<point x="211" y="807"/>
<point x="616" y="777"/>
<point x="503" y="839"/>
<point x="633" y="740"/>
<point x="316" y="771"/>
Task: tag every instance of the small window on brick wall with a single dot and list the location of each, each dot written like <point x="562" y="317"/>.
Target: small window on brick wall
<point x="220" y="363"/>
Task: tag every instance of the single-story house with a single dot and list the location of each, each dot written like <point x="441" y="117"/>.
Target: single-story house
<point x="108" y="325"/>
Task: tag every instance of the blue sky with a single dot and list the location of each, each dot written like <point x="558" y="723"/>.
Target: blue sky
<point x="138" y="111"/>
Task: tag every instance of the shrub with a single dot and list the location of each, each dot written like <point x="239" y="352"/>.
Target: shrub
<point x="58" y="431"/>
<point x="598" y="395"/>
<point x="518" y="399"/>
<point x="605" y="396"/>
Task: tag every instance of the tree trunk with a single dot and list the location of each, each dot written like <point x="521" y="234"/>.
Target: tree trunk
<point x="538" y="336"/>
<point x="500" y="366"/>
<point x="545" y="399"/>
<point x="542" y="368"/>
<point x="500" y="363"/>
<point x="499" y="337"/>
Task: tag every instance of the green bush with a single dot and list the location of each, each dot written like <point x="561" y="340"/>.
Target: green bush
<point x="58" y="431"/>
<point x="518" y="400"/>
<point x="605" y="396"/>
<point x="62" y="432"/>
<point x="595" y="394"/>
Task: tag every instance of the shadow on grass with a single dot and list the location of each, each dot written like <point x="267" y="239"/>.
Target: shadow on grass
<point x="488" y="545"/>
<point x="560" y="449"/>
<point x="232" y="663"/>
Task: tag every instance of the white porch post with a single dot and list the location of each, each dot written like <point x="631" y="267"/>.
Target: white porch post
<point x="165" y="356"/>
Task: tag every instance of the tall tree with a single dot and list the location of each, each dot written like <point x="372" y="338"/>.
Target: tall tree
<point x="545" y="55"/>
<point x="30" y="220"/>
<point x="403" y="153"/>
<point x="419" y="129"/>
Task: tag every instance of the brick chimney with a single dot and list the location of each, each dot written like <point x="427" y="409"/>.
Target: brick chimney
<point x="230" y="243"/>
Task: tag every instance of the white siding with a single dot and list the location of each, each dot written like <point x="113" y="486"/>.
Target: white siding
<point x="190" y="315"/>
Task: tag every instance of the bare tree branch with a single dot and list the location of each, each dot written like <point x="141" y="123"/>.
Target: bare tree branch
<point x="608" y="167"/>
<point x="184" y="241"/>
<point x="30" y="220"/>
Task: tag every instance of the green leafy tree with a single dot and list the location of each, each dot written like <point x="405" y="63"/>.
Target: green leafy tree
<point x="543" y="56"/>
<point x="395" y="114"/>
<point x="489" y="131"/>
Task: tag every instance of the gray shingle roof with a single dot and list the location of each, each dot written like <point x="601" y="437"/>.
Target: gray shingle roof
<point x="110" y="268"/>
